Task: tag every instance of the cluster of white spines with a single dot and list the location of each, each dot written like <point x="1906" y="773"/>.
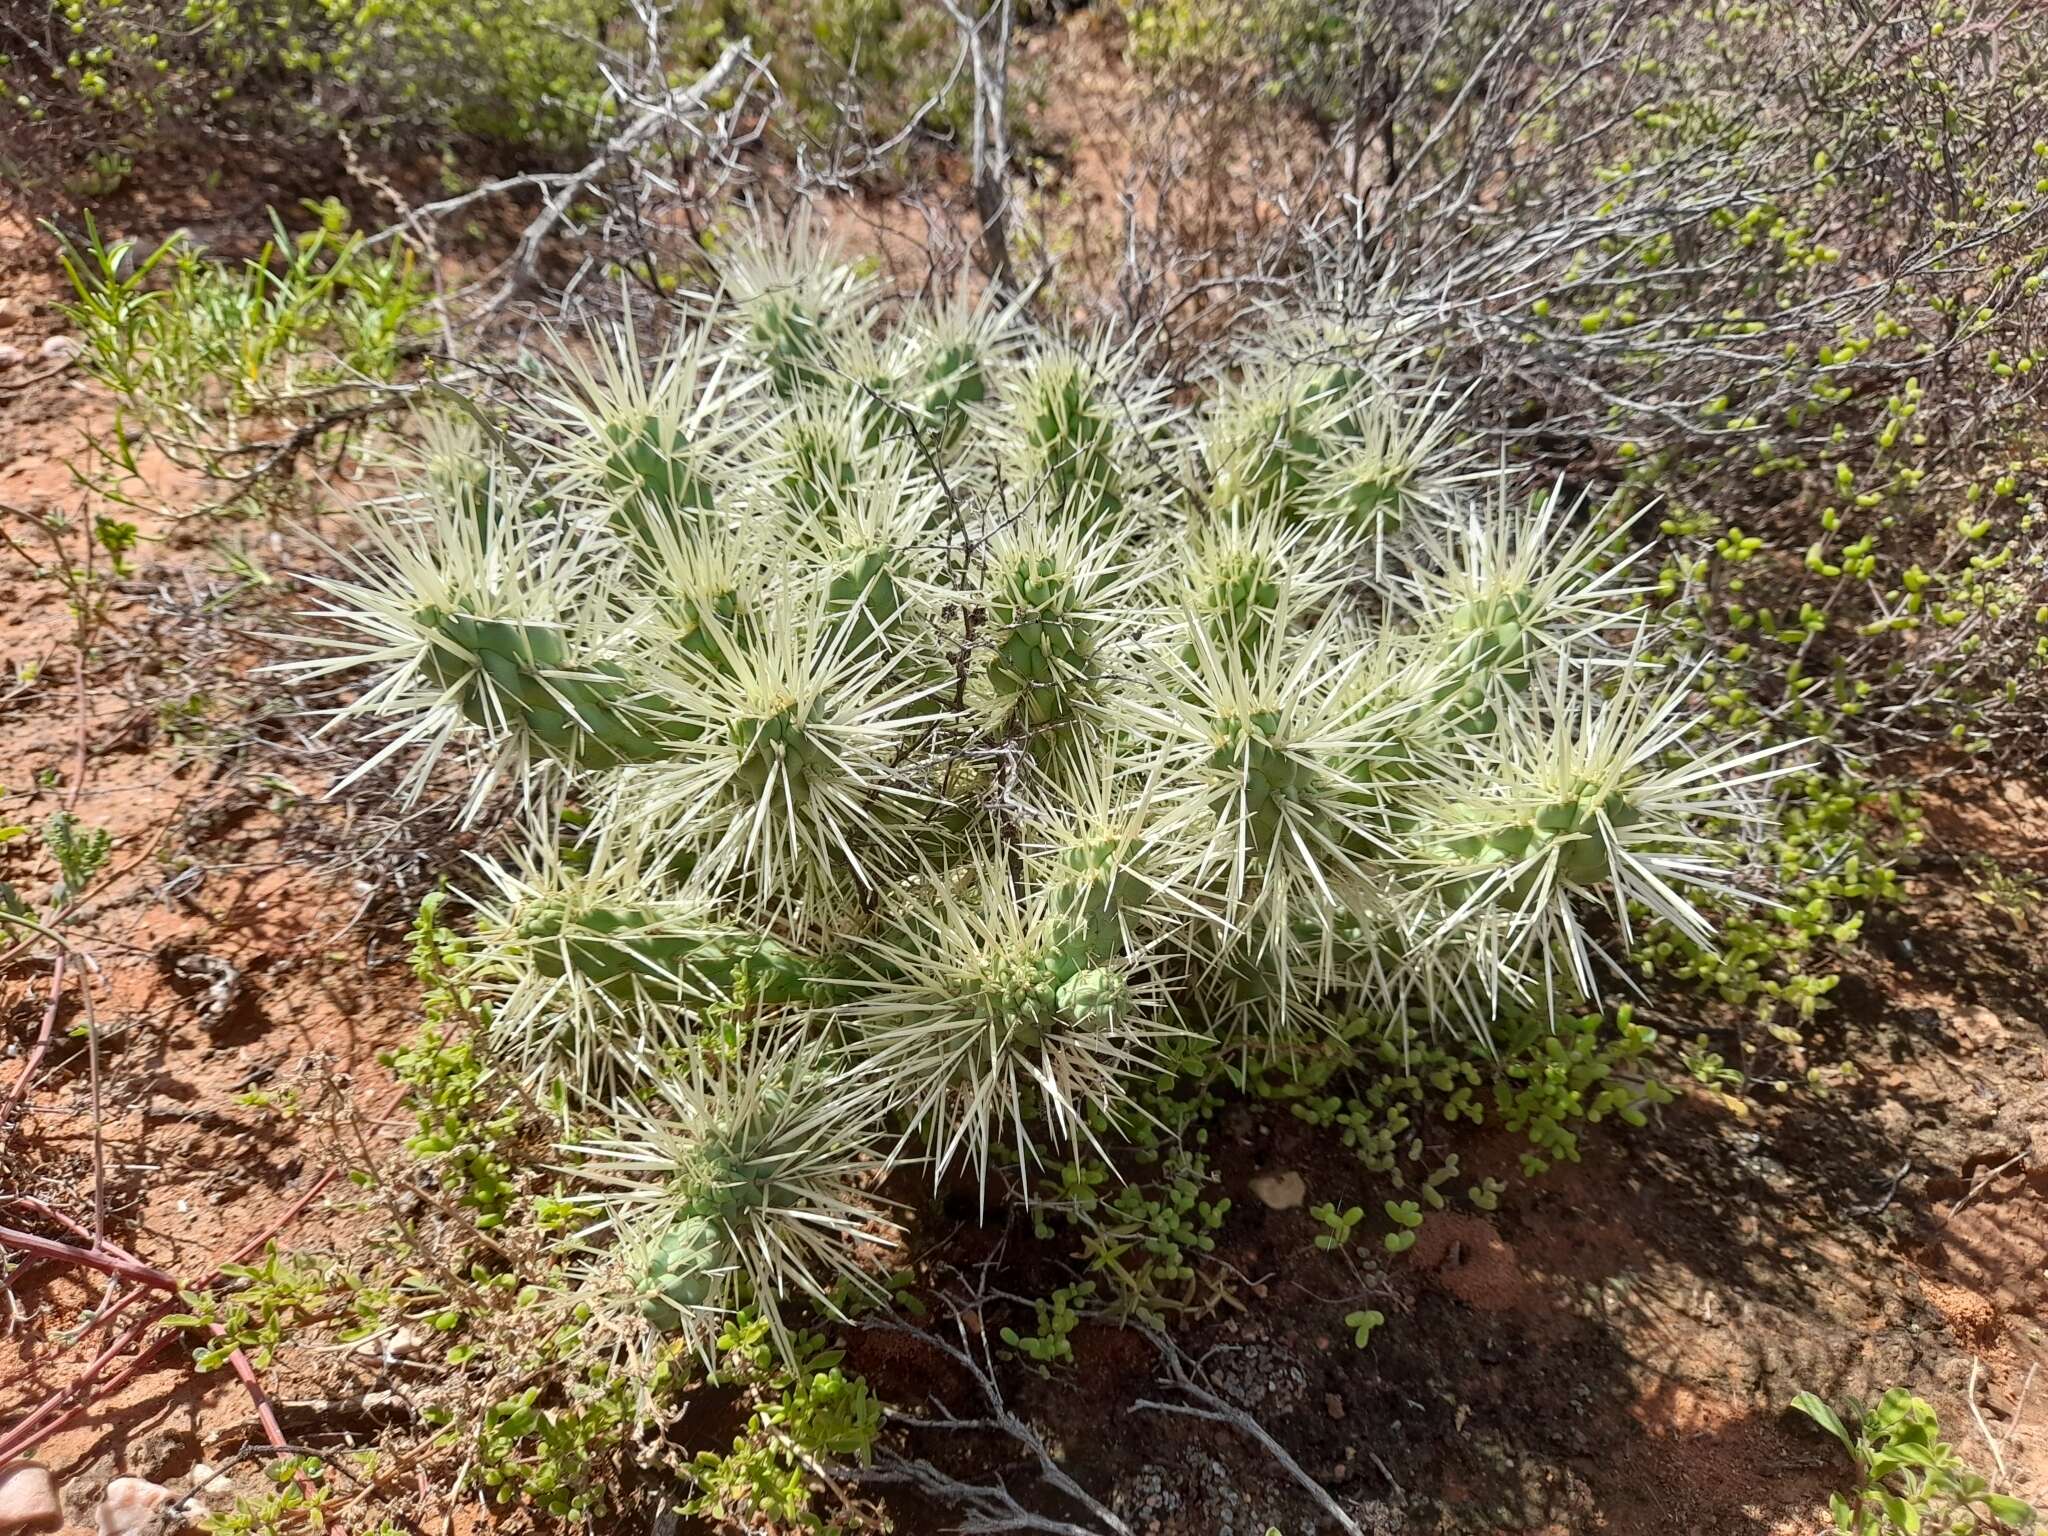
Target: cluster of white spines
<point x="957" y="720"/>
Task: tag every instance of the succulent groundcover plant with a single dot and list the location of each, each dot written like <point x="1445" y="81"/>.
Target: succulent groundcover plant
<point x="924" y="728"/>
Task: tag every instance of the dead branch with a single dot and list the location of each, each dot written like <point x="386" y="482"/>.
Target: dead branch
<point x="677" y="107"/>
<point x="1207" y="1404"/>
<point x="18" y="1093"/>
<point x="89" y="1258"/>
<point x="992" y="1505"/>
<point x="989" y="152"/>
<point x="92" y="1383"/>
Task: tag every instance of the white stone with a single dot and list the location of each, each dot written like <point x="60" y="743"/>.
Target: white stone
<point x="404" y="1346"/>
<point x="28" y="1498"/>
<point x="1280" y="1191"/>
<point x="131" y="1506"/>
<point x="59" y="349"/>
<point x="211" y="1490"/>
<point x="10" y="355"/>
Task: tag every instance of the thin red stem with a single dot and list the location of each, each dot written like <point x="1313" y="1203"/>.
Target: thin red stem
<point x="266" y="1414"/>
<point x="51" y="1213"/>
<point x="92" y="1258"/>
<point x="68" y="1402"/>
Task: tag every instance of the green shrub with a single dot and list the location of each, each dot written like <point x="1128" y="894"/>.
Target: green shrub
<point x="235" y="369"/>
<point x="135" y="74"/>
<point x="130" y="76"/>
<point x="1908" y="1477"/>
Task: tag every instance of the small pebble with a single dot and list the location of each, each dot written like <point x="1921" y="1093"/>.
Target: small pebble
<point x="10" y="355"/>
<point x="211" y="1490"/>
<point x="61" y="349"/>
<point x="28" y="1498"/>
<point x="1280" y="1191"/>
<point x="130" y="1507"/>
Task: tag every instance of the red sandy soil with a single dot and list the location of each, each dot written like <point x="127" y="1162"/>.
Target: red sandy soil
<point x="246" y="939"/>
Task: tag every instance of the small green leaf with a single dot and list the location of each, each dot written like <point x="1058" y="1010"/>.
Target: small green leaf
<point x="2008" y="1510"/>
<point x="1824" y="1416"/>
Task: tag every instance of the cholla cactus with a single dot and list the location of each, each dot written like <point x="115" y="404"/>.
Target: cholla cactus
<point x="820" y="451"/>
<point x="593" y="960"/>
<point x="951" y="364"/>
<point x="872" y="540"/>
<point x="645" y="441"/>
<point x="1115" y="856"/>
<point x="1243" y="570"/>
<point x="708" y="582"/>
<point x="1076" y="426"/>
<point x="999" y="1022"/>
<point x="1298" y="768"/>
<point x="1326" y="444"/>
<point x="485" y="617"/>
<point x="788" y="301"/>
<point x="944" y="693"/>
<point x="790" y="795"/>
<point x="1058" y="602"/>
<point x="1390" y="469"/>
<point x="1267" y="435"/>
<point x="1597" y="805"/>
<point x="1515" y="585"/>
<point x="748" y="1178"/>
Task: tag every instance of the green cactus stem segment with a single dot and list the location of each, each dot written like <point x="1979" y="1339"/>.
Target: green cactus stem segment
<point x="682" y="1272"/>
<point x="706" y="622"/>
<point x="823" y="469"/>
<point x="772" y="745"/>
<point x="1493" y="652"/>
<point x="1271" y="466"/>
<point x="1238" y="596"/>
<point x="1576" y="833"/>
<point x="627" y="952"/>
<point x="1370" y="496"/>
<point x="1262" y="776"/>
<point x="1092" y="889"/>
<point x="1045" y="655"/>
<point x="1093" y="999"/>
<point x="952" y="380"/>
<point x="686" y="1264"/>
<point x="1072" y="440"/>
<point x="793" y="339"/>
<point x="1026" y="998"/>
<point x="649" y="471"/>
<point x="508" y="673"/>
<point x="868" y="589"/>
